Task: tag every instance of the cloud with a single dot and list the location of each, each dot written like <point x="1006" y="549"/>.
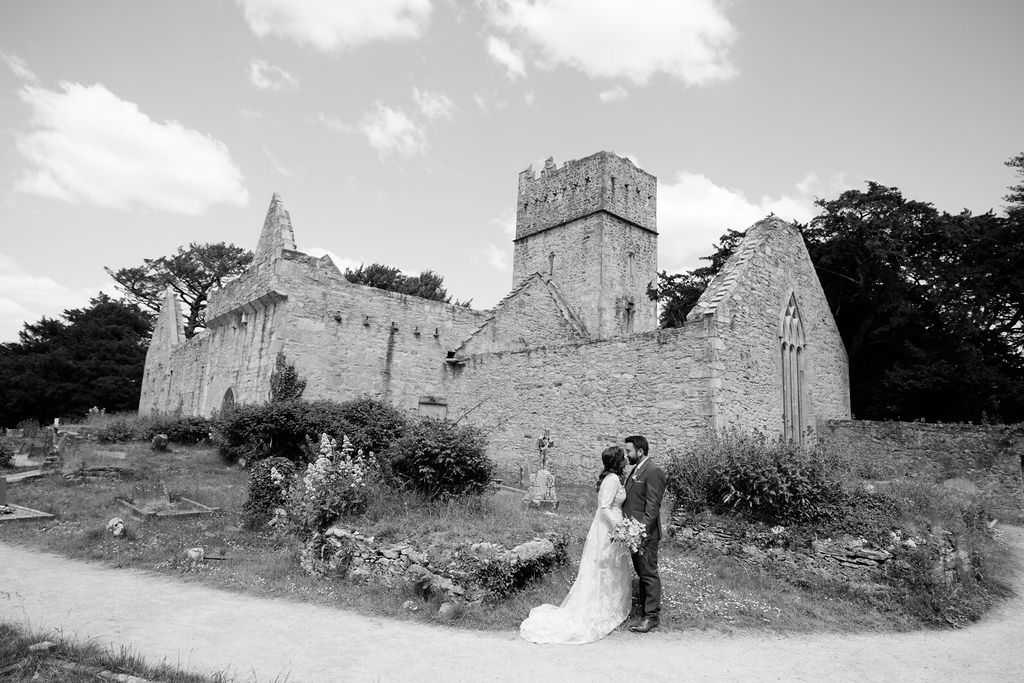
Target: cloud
<point x="252" y="114"/>
<point x="267" y="77"/>
<point x="494" y="256"/>
<point x="507" y="222"/>
<point x="391" y="131"/>
<point x="501" y="52"/>
<point x="612" y="94"/>
<point x="634" y="39"/>
<point x="693" y="212"/>
<point x="90" y="146"/>
<point x="328" y="25"/>
<point x="433" y="105"/>
<point x="529" y="98"/>
<point x="18" y="67"/>
<point x="27" y="297"/>
<point x="334" y="123"/>
<point x="287" y="173"/>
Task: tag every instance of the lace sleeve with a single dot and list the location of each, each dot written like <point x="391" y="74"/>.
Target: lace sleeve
<point x="606" y="506"/>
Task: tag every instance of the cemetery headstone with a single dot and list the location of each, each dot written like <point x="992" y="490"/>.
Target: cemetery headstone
<point x="29" y="427"/>
<point x="542" y="484"/>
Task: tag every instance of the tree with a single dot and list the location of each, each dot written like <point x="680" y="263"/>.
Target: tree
<point x="193" y="273"/>
<point x="285" y="383"/>
<point x="1015" y="210"/>
<point x="427" y="285"/>
<point x="95" y="356"/>
<point x="679" y="292"/>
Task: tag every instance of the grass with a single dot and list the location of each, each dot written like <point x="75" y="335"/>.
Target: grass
<point x="702" y="590"/>
<point x="73" y="662"/>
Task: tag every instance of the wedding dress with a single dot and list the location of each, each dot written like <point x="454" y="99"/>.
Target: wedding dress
<point x="599" y="599"/>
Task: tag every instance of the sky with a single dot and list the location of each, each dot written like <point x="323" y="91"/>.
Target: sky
<point x="395" y="130"/>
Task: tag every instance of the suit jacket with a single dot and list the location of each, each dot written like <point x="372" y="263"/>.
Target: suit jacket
<point x="644" y="491"/>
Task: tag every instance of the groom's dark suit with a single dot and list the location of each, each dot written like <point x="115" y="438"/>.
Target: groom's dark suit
<point x="645" y="488"/>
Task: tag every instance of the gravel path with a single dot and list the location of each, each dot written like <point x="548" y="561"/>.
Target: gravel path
<point x="204" y="629"/>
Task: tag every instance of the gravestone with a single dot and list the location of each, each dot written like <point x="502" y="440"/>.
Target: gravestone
<point x="542" y="490"/>
<point x="3" y="490"/>
<point x="151" y="496"/>
<point x="29" y="428"/>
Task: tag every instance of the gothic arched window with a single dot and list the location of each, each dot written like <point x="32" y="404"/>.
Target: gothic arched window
<point x="228" y="400"/>
<point x="794" y="408"/>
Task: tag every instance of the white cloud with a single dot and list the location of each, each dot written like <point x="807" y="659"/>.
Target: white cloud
<point x="334" y="123"/>
<point x="90" y="146"/>
<point x="693" y="212"/>
<point x="494" y="256"/>
<point x="433" y="105"/>
<point x="612" y="94"/>
<point x="286" y="172"/>
<point x="391" y="131"/>
<point x="529" y="98"/>
<point x="268" y="77"/>
<point x="501" y="52"/>
<point x="252" y="114"/>
<point x="18" y="67"/>
<point x="27" y="297"/>
<point x="341" y="262"/>
<point x="507" y="221"/>
<point x="328" y="25"/>
<point x="634" y="39"/>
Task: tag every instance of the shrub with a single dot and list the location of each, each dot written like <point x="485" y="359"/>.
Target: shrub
<point x="373" y="425"/>
<point x="255" y="432"/>
<point x="332" y="487"/>
<point x="180" y="429"/>
<point x="771" y="482"/>
<point x="690" y="475"/>
<point x="270" y="481"/>
<point x="285" y="384"/>
<point x="6" y="456"/>
<point x="120" y="430"/>
<point x="873" y="516"/>
<point x="501" y="576"/>
<point x="440" y="457"/>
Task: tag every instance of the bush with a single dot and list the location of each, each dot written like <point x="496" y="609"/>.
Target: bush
<point x="690" y="475"/>
<point x="440" y="457"/>
<point x="332" y="487"/>
<point x="120" y="430"/>
<point x="6" y="456"/>
<point x="771" y="482"/>
<point x="184" y="429"/>
<point x="255" y="432"/>
<point x="373" y="425"/>
<point x="270" y="481"/>
<point x="501" y="576"/>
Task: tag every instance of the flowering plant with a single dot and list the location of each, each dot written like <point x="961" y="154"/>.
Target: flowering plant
<point x="333" y="486"/>
<point x="631" y="533"/>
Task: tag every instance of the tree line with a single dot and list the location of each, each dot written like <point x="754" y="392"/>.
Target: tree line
<point x="929" y="305"/>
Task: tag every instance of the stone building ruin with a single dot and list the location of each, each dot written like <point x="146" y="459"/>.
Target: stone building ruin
<point x="573" y="348"/>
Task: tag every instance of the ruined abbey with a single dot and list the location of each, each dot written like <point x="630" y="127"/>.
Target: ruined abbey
<point x="573" y="348"/>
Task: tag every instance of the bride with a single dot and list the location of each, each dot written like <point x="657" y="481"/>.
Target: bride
<point x="599" y="599"/>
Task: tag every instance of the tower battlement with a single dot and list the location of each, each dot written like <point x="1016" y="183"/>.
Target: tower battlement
<point x="580" y="187"/>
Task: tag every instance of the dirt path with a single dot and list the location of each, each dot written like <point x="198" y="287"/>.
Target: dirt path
<point x="204" y="629"/>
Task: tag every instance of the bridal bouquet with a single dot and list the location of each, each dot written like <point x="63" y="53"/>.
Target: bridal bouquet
<point x="631" y="533"/>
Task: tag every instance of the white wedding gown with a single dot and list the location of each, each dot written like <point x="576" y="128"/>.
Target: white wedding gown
<point x="599" y="599"/>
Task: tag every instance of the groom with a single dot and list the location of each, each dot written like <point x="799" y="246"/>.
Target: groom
<point x="645" y="487"/>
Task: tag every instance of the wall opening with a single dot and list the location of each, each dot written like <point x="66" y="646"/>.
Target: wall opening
<point x="433" y="406"/>
<point x="551" y="263"/>
<point x="228" y="400"/>
<point x="794" y="404"/>
<point x="629" y="314"/>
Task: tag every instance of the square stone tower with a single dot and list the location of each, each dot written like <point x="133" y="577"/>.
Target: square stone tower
<point x="591" y="227"/>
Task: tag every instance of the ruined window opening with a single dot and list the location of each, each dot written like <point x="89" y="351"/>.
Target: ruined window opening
<point x="794" y="408"/>
<point x="551" y="263"/>
<point x="629" y="315"/>
<point x="632" y="261"/>
<point x="228" y="400"/>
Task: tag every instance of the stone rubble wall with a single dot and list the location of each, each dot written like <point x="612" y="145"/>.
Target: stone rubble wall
<point x="588" y="395"/>
<point x="989" y="456"/>
<point x="749" y="359"/>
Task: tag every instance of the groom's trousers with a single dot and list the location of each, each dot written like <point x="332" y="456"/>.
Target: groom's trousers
<point x="646" y="567"/>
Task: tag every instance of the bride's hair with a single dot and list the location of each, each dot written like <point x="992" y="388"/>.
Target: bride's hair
<point x="614" y="460"/>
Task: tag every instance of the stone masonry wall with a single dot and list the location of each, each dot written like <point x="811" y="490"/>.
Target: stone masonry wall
<point x="589" y="396"/>
<point x="601" y="263"/>
<point x="347" y="340"/>
<point x="748" y="363"/>
<point x="528" y="317"/>
<point x="989" y="456"/>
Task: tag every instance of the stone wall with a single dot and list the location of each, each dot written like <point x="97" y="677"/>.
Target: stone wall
<point x="775" y="266"/>
<point x="588" y="395"/>
<point x="989" y="456"/>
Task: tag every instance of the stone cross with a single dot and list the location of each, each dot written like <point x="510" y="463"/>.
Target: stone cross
<point x="545" y="444"/>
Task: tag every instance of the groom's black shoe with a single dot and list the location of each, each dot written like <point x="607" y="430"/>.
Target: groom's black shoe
<point x="646" y="625"/>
